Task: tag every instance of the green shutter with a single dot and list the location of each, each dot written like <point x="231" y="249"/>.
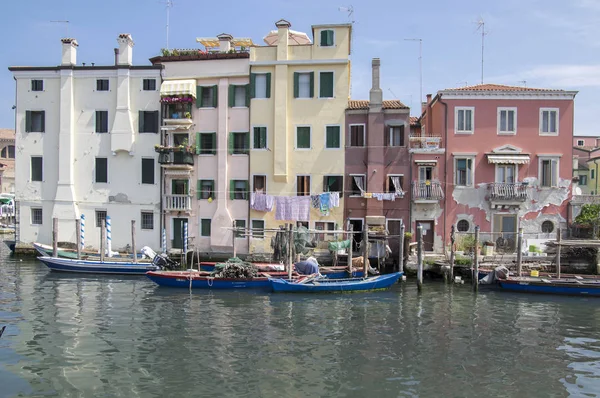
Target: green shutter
<point x="198" y="96"/>
<point x="247" y="86"/>
<point x="263" y="137"/>
<point x="269" y="85"/>
<point x="231" y="95"/>
<point x="199" y="189"/>
<point x="312" y="84"/>
<point x="296" y="84"/>
<point x="198" y="144"/>
<point x="215" y="97"/>
<point x="247" y="149"/>
<point x="156" y="119"/>
<point x="330" y="37"/>
<point x="27" y="121"/>
<point x="214" y="143"/>
<point x="326" y="83"/>
<point x="252" y="85"/>
<point x="43" y="121"/>
<point x="231" y="190"/>
<point x="246" y="189"/>
<point x="230" y="143"/>
<point x="323" y="38"/>
<point x="141" y="122"/>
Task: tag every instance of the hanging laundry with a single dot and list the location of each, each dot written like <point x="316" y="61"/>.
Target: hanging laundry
<point x="335" y="199"/>
<point x="325" y="199"/>
<point x="315" y="201"/>
<point x="261" y="202"/>
<point x="292" y="208"/>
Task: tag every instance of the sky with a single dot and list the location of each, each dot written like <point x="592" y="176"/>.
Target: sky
<point x="538" y="43"/>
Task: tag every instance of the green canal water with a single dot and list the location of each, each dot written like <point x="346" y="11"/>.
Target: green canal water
<point x="78" y="336"/>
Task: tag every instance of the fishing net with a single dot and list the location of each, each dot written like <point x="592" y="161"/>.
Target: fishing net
<point x="235" y="268"/>
<point x="302" y="240"/>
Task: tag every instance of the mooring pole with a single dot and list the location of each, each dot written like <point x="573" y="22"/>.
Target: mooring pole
<point x="350" y="236"/>
<point x="401" y="248"/>
<point x="233" y="238"/>
<point x="452" y="251"/>
<point x="365" y="252"/>
<point x="78" y="234"/>
<point x="133" y="249"/>
<point x="420" y="257"/>
<point x="55" y="237"/>
<point x="476" y="260"/>
<point x="558" y="240"/>
<point x="290" y="251"/>
<point x="102" y="239"/>
<point x="520" y="252"/>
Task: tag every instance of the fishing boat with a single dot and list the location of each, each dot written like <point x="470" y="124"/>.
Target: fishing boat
<point x="328" y="272"/>
<point x="98" y="267"/>
<point x="576" y="286"/>
<point x="326" y="285"/>
<point x="46" y="251"/>
<point x="10" y="244"/>
<point x="203" y="280"/>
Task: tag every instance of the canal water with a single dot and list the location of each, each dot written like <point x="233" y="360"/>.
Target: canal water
<point x="89" y="336"/>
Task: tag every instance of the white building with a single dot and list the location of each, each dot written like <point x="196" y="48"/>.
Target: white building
<point x="85" y="137"/>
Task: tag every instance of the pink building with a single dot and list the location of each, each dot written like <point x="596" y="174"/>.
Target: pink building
<point x="586" y="141"/>
<point x="507" y="161"/>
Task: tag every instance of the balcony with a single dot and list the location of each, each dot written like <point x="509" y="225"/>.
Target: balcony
<point x="425" y="144"/>
<point x="429" y="191"/>
<point x="177" y="111"/>
<point x="175" y="157"/>
<point x="507" y="195"/>
<point x="177" y="202"/>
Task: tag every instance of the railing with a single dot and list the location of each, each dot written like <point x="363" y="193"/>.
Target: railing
<point x="425" y="143"/>
<point x="503" y="191"/>
<point x="585" y="199"/>
<point x="177" y="202"/>
<point x="175" y="158"/>
<point x="427" y="190"/>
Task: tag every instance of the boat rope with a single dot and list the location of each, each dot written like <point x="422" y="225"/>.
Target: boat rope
<point x="210" y="280"/>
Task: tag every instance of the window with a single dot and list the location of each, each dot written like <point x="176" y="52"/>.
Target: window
<point x="582" y="180"/>
<point x="333" y="184"/>
<point x="259" y="140"/>
<point x="395" y="184"/>
<point x="205" y="189"/>
<point x="396" y="136"/>
<point x="102" y="85"/>
<point x="101" y="121"/>
<point x="148" y="122"/>
<point x="506" y="173"/>
<point x="100" y="216"/>
<point x="302" y="185"/>
<point x="425" y="174"/>
<point x="302" y="224"/>
<point x="205" y="227"/>
<point x="303" y="137"/>
<point x="207" y="97"/>
<point x="464" y="172"/>
<point x="239" y="143"/>
<point x="37" y="85"/>
<point x="147" y="220"/>
<point x="147" y="171"/>
<point x="549" y="172"/>
<point x="180" y="187"/>
<point x="324" y="226"/>
<point x="36" y="216"/>
<point x="258" y="229"/>
<point x="592" y="174"/>
<point x="507" y="120"/>
<point x="238" y="190"/>
<point x="35" y="121"/>
<point x="332" y="137"/>
<point x="547" y="227"/>
<point x="463" y="226"/>
<point x="149" y="84"/>
<point x="206" y="143"/>
<point x="259" y="183"/>
<point x="241" y="224"/>
<point x="357" y="135"/>
<point x="325" y="84"/>
<point x="580" y="142"/>
<point x="394" y="228"/>
<point x="260" y="85"/>
<point x="8" y="152"/>
<point x="37" y="166"/>
<point x="549" y="121"/>
<point x="101" y="170"/>
<point x="464" y="120"/>
<point x="357" y="184"/>
<point x="304" y="84"/>
<point x="239" y="96"/>
<point x="327" y="38"/>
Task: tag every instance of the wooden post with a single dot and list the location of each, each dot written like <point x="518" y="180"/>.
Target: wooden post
<point x="401" y="249"/>
<point x="350" y="236"/>
<point x="133" y="249"/>
<point x="476" y="260"/>
<point x="290" y="251"/>
<point x="452" y="251"/>
<point x="233" y="238"/>
<point x="558" y="239"/>
<point x="78" y="234"/>
<point x="55" y="237"/>
<point x="420" y="257"/>
<point x="102" y="239"/>
<point x="365" y="241"/>
<point x="520" y="252"/>
<point x="335" y="238"/>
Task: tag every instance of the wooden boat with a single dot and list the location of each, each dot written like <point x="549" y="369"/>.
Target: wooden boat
<point x="46" y="251"/>
<point x="577" y="286"/>
<point x="328" y="272"/>
<point x="335" y="285"/>
<point x="11" y="244"/>
<point x="97" y="267"/>
<point x="203" y="280"/>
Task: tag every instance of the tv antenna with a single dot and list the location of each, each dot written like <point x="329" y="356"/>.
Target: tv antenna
<point x="66" y="26"/>
<point x="523" y="82"/>
<point x="481" y="26"/>
<point x="350" y="10"/>
<point x="420" y="67"/>
<point x="169" y="4"/>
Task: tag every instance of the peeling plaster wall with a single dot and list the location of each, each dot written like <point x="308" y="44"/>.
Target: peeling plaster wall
<point x="429" y="212"/>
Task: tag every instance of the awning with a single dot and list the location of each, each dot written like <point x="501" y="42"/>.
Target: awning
<point x="178" y="87"/>
<point x="508" y="159"/>
<point x="432" y="162"/>
<point x="5" y="201"/>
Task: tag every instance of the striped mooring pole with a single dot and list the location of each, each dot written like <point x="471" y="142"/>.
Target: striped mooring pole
<point x="108" y="236"/>
<point x="185" y="238"/>
<point x="164" y="240"/>
<point x="82" y="232"/>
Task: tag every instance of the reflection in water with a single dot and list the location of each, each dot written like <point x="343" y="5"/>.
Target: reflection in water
<point x="89" y="336"/>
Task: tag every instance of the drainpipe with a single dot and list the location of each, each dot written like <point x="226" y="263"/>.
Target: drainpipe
<point x="596" y="176"/>
<point x="445" y="162"/>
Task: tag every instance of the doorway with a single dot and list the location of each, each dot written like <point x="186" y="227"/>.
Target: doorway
<point x="178" y="232"/>
<point x="357" y="226"/>
<point x="179" y="187"/>
<point x="505" y="231"/>
<point x="427" y="235"/>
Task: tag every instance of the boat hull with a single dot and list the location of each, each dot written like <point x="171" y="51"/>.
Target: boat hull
<point x="96" y="267"/>
<point x="328" y="272"/>
<point x="337" y="286"/>
<point x="46" y="251"/>
<point x="181" y="279"/>
<point x="552" y="287"/>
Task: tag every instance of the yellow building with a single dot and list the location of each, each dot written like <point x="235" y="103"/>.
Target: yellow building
<point x="299" y="91"/>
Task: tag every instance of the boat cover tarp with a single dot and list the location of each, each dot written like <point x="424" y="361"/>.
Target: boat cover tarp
<point x="307" y="267"/>
<point x="335" y="246"/>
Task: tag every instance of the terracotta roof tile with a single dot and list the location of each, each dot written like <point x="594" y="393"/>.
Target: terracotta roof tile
<point x="387" y="104"/>
<point x="497" y="87"/>
<point x="414" y="121"/>
<point x="7" y="134"/>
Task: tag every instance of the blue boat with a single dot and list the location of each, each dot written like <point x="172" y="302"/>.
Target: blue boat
<point x="327" y="285"/>
<point x="327" y="272"/>
<point x="564" y="286"/>
<point x="202" y="280"/>
<point x="98" y="267"/>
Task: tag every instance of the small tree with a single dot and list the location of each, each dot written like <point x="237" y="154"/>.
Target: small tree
<point x="590" y="216"/>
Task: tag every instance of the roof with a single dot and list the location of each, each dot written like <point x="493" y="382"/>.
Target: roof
<point x="81" y="67"/>
<point x="498" y="87"/>
<point x="414" y="121"/>
<point x="7" y="134"/>
<point x="387" y="104"/>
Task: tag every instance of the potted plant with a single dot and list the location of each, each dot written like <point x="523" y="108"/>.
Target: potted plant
<point x="188" y="115"/>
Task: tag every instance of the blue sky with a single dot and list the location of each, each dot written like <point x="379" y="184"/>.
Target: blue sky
<point x="547" y="43"/>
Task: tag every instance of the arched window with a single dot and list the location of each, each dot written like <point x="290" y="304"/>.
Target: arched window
<point x="462" y="226"/>
<point x="547" y="227"/>
<point x="8" y="152"/>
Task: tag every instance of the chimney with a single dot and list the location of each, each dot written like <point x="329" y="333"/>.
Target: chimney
<point x="125" y="55"/>
<point x="428" y="98"/>
<point x="69" y="51"/>
<point x="116" y="56"/>
<point x="425" y="104"/>
<point x="283" y="31"/>
<point x="375" y="94"/>
<point x="224" y="42"/>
